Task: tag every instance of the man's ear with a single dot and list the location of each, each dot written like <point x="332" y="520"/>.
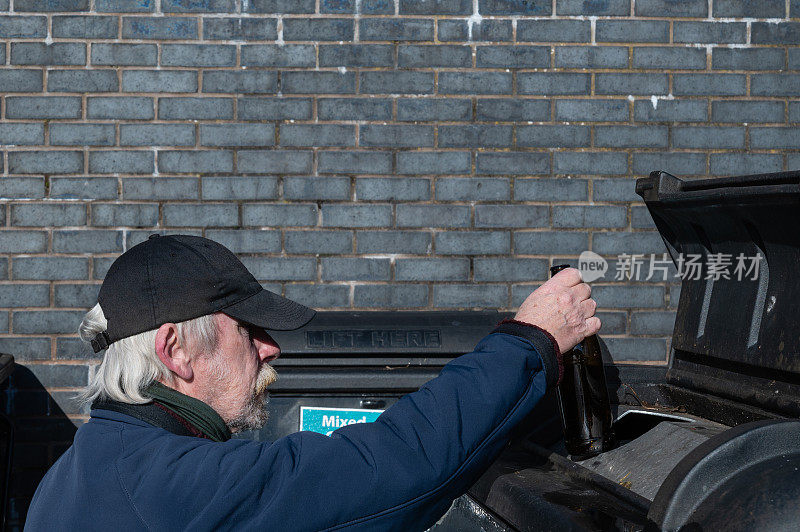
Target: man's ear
<point x="172" y="353"/>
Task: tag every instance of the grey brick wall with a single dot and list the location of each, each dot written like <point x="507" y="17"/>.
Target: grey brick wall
<point x="378" y="154"/>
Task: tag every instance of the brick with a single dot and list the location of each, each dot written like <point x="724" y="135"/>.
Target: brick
<point x="473" y="243"/>
<point x="247" y="241"/>
<point x="354" y="109"/>
<point x="677" y="163"/>
<point x="641" y="219"/>
<point x="124" y="6"/>
<point x="774" y="84"/>
<point x="82" y="81"/>
<point x="113" y="162"/>
<point x="474" y="83"/>
<point x="636" y="349"/>
<point x="198" y="55"/>
<point x="355" y="162"/>
<point x="156" y="135"/>
<point x="512" y="216"/>
<point x="159" y="28"/>
<point x="760" y="9"/>
<point x="272" y="215"/>
<point x="392" y="296"/>
<point x="490" y="30"/>
<point x="590" y="163"/>
<point x="593" y="7"/>
<point x="13" y="27"/>
<point x="433" y="216"/>
<point x="120" y="214"/>
<point x="195" y="108"/>
<point x="237" y="134"/>
<point x="43" y="107"/>
<point x="774" y="138"/>
<point x="281" y="269"/>
<point x="545" y="136"/>
<point x="26" y="349"/>
<point x="132" y="108"/>
<point x="478" y="136"/>
<point x="589" y="216"/>
<point x="21" y="134"/>
<point x="433" y="162"/>
<point x="30" y="53"/>
<point x="631" y="136"/>
<point x="45" y="162"/>
<point x="659" y="322"/>
<point x="366" y="7"/>
<point x="202" y="6"/>
<point x="319" y="296"/>
<point x="22" y="188"/>
<point x="506" y="269"/>
<point x="549" y="242"/>
<point x="65" y="134"/>
<point x="355" y="269"/>
<point x="195" y="161"/>
<point x="50" y="268"/>
<point x="316" y="188"/>
<point x="794" y="111"/>
<point x="349" y="215"/>
<point x="124" y="54"/>
<point x="794" y="9"/>
<point x="317" y="135"/>
<point x="628" y="296"/>
<point x="274" y="108"/>
<point x="83" y="187"/>
<point x="550" y="190"/>
<point x="624" y="84"/>
<point x="435" y="7"/>
<point x="273" y="55"/>
<point x="592" y="110"/>
<point x="514" y="7"/>
<point x="4" y="269"/>
<point x="614" y="190"/>
<point x="201" y="215"/>
<point x="23" y="242"/>
<point x="159" y="81"/>
<point x="318" y="82"/>
<point x="433" y="109"/>
<point x="669" y="57"/>
<point x="395" y="29"/>
<point x="512" y="109"/>
<point x="280" y="6"/>
<point x="426" y="56"/>
<point x="709" y="84"/>
<point x="710" y="32"/>
<point x="19" y="80"/>
<point x="278" y="161"/>
<point x="748" y="59"/>
<point x="472" y="189"/>
<point x="750" y="112"/>
<point x="553" y="31"/>
<point x="707" y="137"/>
<point x="392" y="189"/>
<point x="87" y="241"/>
<point x="50" y="5"/>
<point x="399" y="136"/>
<point x="76" y="295"/>
<point x="432" y="269"/>
<point x="414" y="242"/>
<point x="85" y="27"/>
<point x="509" y="163"/>
<point x="137" y="237"/>
<point x="548" y="83"/>
<point x="236" y="188"/>
<point x="671" y="8"/>
<point x="396" y="82"/>
<point x="632" y="31"/>
<point x="25" y="295"/>
<point x="591" y="57"/>
<point x="670" y="110"/>
<point x="318" y="29"/>
<point x="319" y="242"/>
<point x="239" y="29"/>
<point x="618" y="243"/>
<point x="358" y="55"/>
<point x="469" y="296"/>
<point x="746" y="163"/>
<point x="159" y="188"/>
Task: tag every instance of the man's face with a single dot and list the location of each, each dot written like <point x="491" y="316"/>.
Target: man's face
<point x="238" y="373"/>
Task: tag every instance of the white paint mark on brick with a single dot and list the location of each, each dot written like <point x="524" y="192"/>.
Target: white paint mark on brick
<point x="155" y="160"/>
<point x="654" y="99"/>
<point x="246" y="7"/>
<point x="279" y="41"/>
<point x="630" y="97"/>
<point x="396" y="7"/>
<point x="342" y="70"/>
<point x="475" y="18"/>
<point x="593" y="22"/>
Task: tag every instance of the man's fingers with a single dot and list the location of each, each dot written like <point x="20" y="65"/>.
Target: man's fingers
<point x="588" y="307"/>
<point x="568" y="277"/>
<point x="581" y="291"/>
<point x="592" y="325"/>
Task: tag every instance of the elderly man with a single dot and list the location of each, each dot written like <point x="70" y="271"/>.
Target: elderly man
<point x="184" y="326"/>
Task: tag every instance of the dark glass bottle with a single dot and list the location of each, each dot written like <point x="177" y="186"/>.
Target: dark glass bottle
<point x="583" y="398"/>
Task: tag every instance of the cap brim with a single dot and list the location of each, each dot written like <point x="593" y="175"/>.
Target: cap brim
<point x="270" y="311"/>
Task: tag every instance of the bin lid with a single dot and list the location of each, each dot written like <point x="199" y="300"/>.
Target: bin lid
<point x="736" y="329"/>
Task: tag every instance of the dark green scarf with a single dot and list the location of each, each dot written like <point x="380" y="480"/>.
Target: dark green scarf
<point x="196" y="412"/>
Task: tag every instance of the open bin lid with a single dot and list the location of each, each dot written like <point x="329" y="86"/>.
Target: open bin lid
<point x="735" y="335"/>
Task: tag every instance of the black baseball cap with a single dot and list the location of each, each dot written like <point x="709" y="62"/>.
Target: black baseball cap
<point x="180" y="277"/>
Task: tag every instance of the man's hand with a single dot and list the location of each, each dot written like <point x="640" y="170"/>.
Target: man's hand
<point x="563" y="307"/>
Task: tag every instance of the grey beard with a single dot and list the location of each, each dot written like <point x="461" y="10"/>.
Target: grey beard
<point x="254" y="415"/>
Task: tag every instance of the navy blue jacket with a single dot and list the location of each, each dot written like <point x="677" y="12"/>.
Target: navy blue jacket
<point x="400" y="472"/>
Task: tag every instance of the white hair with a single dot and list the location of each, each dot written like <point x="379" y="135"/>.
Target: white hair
<point x="131" y="364"/>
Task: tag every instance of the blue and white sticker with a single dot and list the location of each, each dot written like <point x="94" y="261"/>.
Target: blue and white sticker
<point x="326" y="420"/>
